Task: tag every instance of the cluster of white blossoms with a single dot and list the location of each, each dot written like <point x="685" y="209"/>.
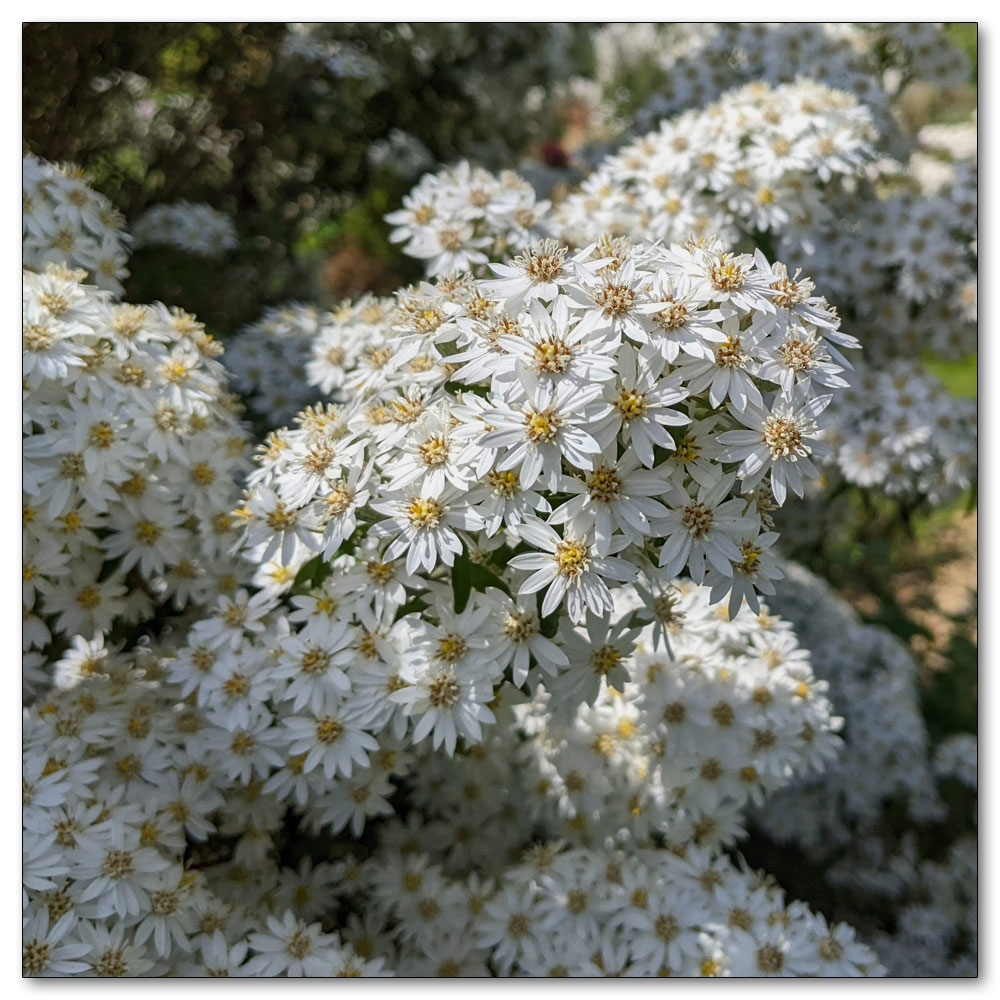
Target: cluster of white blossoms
<point x="873" y="680"/>
<point x="870" y="61"/>
<point x="840" y="818"/>
<point x="593" y="913"/>
<point x="64" y="221"/>
<point x="131" y="454"/>
<point x="120" y="782"/>
<point x="267" y="361"/>
<point x="905" y="274"/>
<point x="475" y="679"/>
<point x="692" y="736"/>
<point x="903" y="265"/>
<point x="795" y="165"/>
<point x="897" y="428"/>
<point x="465" y="216"/>
<point x="161" y="786"/>
<point x="760" y="159"/>
<point x="352" y="331"/>
<point x="618" y="411"/>
<point x="194" y="228"/>
<point x="936" y="904"/>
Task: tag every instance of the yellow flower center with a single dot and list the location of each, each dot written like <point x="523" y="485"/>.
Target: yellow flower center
<point x="542" y="425"/>
<point x="572" y="558"/>
<point x="424" y="512"/>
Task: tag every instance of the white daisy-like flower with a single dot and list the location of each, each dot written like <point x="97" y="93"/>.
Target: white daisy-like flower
<point x="543" y="429"/>
<point x="447" y="703"/>
<point x="567" y="567"/>
<point x="423" y="525"/>
<point x="779" y="440"/>
<point x="704" y="528"/>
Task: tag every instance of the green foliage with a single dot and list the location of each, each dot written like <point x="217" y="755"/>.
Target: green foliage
<point x="950" y="701"/>
<point x="467" y="575"/>
<point x="312" y="574"/>
<point x="960" y="378"/>
<point x="965" y="34"/>
<point x="222" y="114"/>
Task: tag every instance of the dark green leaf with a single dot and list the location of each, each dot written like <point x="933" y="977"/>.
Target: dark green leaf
<point x="461" y="581"/>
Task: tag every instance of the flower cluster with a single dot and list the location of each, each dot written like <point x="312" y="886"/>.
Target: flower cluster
<point x="208" y="746"/>
<point x="469" y="673"/>
<point x="353" y="334"/>
<point x="465" y="216"/>
<point x="267" y="361"/>
<point x="194" y="228"/>
<point x="64" y="221"/>
<point x="936" y="904"/>
<point x="596" y="913"/>
<point x="897" y="428"/>
<point x="796" y="162"/>
<point x="872" y="678"/>
<point x="732" y="713"/>
<point x="131" y="452"/>
<point x="703" y="61"/>
<point x="760" y="159"/>
<point x="619" y="410"/>
<point x="120" y="780"/>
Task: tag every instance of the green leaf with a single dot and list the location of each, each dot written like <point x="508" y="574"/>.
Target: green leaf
<point x="312" y="574"/>
<point x="414" y="604"/>
<point x="483" y="577"/>
<point x="461" y="581"/>
<point x="973" y="500"/>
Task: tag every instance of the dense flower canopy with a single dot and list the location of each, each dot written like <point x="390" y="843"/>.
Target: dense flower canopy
<point x="451" y="632"/>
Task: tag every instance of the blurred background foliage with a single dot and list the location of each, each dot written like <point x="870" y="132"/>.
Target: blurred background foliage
<point x="277" y="135"/>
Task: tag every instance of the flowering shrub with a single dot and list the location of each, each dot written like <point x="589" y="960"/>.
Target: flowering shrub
<point x="130" y="457"/>
<point x="157" y="750"/>
<point x="572" y="427"/>
<point x="792" y="167"/>
<point x="489" y="664"/>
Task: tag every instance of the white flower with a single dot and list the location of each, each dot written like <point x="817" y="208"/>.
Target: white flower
<point x="569" y="568"/>
<point x="615" y="499"/>
<point x="50" y="950"/>
<point x="597" y="661"/>
<point x="539" y="272"/>
<point x="640" y="404"/>
<point x="330" y="740"/>
<point x="115" y="873"/>
<point x="703" y="527"/>
<point x="545" y="427"/>
<point x="781" y="440"/>
<point x="448" y="704"/>
<point x="292" y="948"/>
<point x="519" y="638"/>
<point x="423" y="526"/>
